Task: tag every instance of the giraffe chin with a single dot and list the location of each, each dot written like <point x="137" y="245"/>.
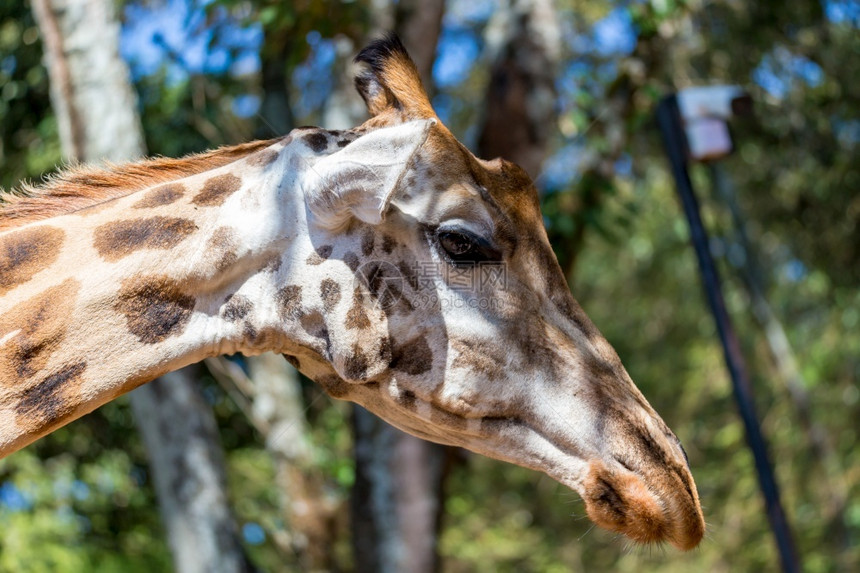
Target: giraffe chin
<point x="620" y="501"/>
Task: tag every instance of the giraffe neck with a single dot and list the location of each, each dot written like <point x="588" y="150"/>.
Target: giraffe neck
<point x="98" y="301"/>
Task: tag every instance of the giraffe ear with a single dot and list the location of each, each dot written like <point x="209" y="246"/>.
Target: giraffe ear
<point x="389" y="81"/>
<point x="359" y="180"/>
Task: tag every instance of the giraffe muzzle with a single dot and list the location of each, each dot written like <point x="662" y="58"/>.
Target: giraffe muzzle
<point x="623" y="501"/>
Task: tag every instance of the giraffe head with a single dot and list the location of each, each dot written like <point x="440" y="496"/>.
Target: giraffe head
<point x="440" y="307"/>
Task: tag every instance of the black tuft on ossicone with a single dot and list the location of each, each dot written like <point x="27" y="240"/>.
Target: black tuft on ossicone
<point x="369" y="81"/>
<point x="381" y="50"/>
<point x="389" y="81"/>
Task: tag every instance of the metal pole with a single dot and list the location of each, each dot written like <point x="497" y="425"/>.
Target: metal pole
<point x="669" y="120"/>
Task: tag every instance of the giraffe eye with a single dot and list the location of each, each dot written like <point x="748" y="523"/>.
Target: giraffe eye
<point x="456" y="244"/>
<point x="462" y="247"/>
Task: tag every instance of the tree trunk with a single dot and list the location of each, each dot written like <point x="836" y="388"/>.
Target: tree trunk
<point x="96" y="110"/>
<point x="308" y="511"/>
<point x="270" y="396"/>
<point x="397" y="500"/>
<point x="276" y="111"/>
<point x="90" y="91"/>
<point x="520" y="115"/>
<point x="181" y="437"/>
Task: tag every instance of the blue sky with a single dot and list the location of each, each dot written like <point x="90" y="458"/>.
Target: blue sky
<point x="175" y="33"/>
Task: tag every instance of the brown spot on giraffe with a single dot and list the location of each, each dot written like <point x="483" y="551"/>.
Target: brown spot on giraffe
<point x="481" y="357"/>
<point x="330" y="294"/>
<point x="216" y="190"/>
<point x="41" y="324"/>
<point x="155" y="307"/>
<point x="52" y="398"/>
<point x="351" y="260"/>
<point x="319" y="255"/>
<point x="249" y="331"/>
<point x="116" y="240"/>
<point x="263" y="158"/>
<point x="24" y="253"/>
<point x="236" y="307"/>
<point x="414" y="357"/>
<point x="356" y="316"/>
<point x="388" y="244"/>
<point x="344" y="138"/>
<point x="289" y="301"/>
<point x="266" y="338"/>
<point x="356" y="364"/>
<point x="333" y="385"/>
<point x="384" y="283"/>
<point x="273" y="264"/>
<point x="221" y="248"/>
<point x="384" y="352"/>
<point x="407" y="399"/>
<point x="314" y="324"/>
<point x="367" y="242"/>
<point x="316" y="140"/>
<point x="160" y="196"/>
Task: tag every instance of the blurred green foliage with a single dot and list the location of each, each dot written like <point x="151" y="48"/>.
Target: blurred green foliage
<point x="75" y="501"/>
<point x="29" y="142"/>
<point x="80" y="499"/>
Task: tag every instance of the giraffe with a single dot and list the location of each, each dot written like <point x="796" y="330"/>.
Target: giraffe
<point x="385" y="262"/>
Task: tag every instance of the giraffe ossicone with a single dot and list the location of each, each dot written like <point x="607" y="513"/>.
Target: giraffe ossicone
<point x="386" y="262"/>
